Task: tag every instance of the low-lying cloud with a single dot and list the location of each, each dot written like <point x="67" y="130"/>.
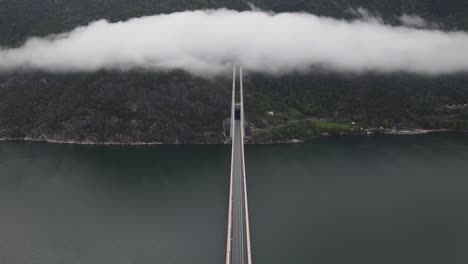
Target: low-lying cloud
<point x="413" y="21"/>
<point x="208" y="43"/>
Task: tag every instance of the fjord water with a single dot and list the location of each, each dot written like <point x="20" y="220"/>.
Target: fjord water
<point x="383" y="199"/>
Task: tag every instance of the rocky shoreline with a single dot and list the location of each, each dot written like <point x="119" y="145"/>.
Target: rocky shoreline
<point x="249" y="140"/>
<point x="86" y="142"/>
<point x="415" y="132"/>
<point x="403" y="132"/>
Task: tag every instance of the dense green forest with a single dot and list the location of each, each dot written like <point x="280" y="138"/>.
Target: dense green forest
<point x="176" y="107"/>
<point x="20" y="19"/>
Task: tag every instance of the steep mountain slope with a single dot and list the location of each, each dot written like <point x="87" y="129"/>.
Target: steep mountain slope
<point x="452" y="13"/>
<point x="141" y="106"/>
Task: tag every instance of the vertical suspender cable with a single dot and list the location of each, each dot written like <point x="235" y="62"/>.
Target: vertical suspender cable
<point x="228" y="242"/>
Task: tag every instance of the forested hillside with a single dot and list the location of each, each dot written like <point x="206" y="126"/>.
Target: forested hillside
<point x="20" y="19"/>
<point x="176" y="107"/>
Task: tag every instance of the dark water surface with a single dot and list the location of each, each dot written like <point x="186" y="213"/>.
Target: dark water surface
<point x="366" y="200"/>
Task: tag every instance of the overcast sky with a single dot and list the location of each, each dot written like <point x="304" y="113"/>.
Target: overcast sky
<point x="209" y="42"/>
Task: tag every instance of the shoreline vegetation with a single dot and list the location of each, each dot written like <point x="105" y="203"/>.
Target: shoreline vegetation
<point x="403" y="132"/>
<point x="309" y="128"/>
<point x="251" y="140"/>
<point x="76" y="142"/>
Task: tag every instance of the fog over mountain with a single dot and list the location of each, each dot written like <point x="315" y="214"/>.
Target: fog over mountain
<point x="105" y="71"/>
<point x="208" y="42"/>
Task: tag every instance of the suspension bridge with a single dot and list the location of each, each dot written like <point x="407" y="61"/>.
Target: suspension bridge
<point x="238" y="233"/>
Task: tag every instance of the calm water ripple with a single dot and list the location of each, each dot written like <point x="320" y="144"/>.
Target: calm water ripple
<point x="366" y="200"/>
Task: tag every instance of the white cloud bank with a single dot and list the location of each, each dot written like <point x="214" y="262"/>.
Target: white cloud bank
<point x="413" y="21"/>
<point x="209" y="42"/>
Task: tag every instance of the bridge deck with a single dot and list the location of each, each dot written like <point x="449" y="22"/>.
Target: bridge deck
<point x="238" y="245"/>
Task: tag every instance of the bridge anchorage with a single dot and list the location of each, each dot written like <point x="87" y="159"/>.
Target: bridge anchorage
<point x="238" y="235"/>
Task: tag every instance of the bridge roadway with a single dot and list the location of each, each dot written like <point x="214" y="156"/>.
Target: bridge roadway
<point x="238" y="242"/>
